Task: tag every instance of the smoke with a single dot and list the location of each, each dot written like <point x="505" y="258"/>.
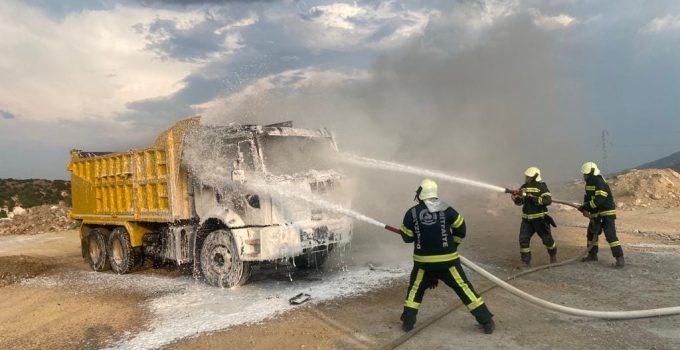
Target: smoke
<point x="488" y="110"/>
<point x="484" y="104"/>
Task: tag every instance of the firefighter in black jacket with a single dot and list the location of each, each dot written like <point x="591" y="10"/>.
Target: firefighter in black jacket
<point x="599" y="206"/>
<point x="534" y="197"/>
<point x="436" y="230"/>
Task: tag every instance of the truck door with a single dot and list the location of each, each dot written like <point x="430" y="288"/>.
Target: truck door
<point x="258" y="206"/>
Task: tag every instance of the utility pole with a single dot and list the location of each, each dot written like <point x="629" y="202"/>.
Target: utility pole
<point x="605" y="165"/>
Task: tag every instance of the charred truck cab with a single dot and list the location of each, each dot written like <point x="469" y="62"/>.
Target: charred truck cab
<point x="160" y="202"/>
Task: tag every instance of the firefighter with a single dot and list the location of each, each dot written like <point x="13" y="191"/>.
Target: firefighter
<point x="436" y="230"/>
<point x="599" y="206"/>
<point x="534" y="197"/>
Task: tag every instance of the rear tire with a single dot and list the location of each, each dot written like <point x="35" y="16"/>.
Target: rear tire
<point x="96" y="252"/>
<point x="122" y="257"/>
<point x="220" y="262"/>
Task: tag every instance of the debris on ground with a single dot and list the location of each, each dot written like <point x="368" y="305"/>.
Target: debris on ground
<point x="40" y="219"/>
<point x="299" y="299"/>
<point x="647" y="188"/>
<point x="374" y="267"/>
<point x="644" y="188"/>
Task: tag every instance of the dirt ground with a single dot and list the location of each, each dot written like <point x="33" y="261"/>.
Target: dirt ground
<point x="73" y="315"/>
<point x="57" y="318"/>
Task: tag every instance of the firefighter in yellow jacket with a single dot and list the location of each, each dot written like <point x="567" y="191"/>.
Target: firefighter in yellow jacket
<point x="534" y="197"/>
<point x="436" y="230"/>
<point x="599" y="206"/>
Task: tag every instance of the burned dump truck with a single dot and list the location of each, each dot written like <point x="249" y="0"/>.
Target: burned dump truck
<point x="172" y="201"/>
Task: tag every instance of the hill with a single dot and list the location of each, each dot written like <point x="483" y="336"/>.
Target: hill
<point x="33" y="192"/>
<point x="672" y="161"/>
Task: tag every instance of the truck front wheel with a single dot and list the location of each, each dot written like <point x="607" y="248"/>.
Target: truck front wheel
<point x="121" y="255"/>
<point x="220" y="262"/>
<point x="96" y="250"/>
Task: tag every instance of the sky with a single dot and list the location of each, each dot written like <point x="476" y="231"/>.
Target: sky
<point x="537" y="77"/>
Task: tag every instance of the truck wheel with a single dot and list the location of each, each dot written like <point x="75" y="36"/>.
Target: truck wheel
<point x="96" y="250"/>
<point x="311" y="260"/>
<point x="121" y="254"/>
<point x="220" y="262"/>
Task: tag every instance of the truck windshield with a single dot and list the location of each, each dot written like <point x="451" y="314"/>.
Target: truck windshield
<point x="296" y="154"/>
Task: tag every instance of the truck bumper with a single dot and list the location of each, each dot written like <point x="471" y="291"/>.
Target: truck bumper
<point x="288" y="241"/>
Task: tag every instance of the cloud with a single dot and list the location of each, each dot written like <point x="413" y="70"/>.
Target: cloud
<point x="666" y="23"/>
<point x="551" y="22"/>
<point x="350" y="26"/>
<point x="198" y="40"/>
<point x="6" y="115"/>
<point x="198" y="2"/>
<point x="481" y="14"/>
<point x="89" y="64"/>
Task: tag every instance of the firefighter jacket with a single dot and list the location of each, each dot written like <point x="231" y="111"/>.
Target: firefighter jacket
<point x="436" y="230"/>
<point x="535" y="203"/>
<point x="598" y="199"/>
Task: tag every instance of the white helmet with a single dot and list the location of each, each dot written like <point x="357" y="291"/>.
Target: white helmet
<point x="589" y="167"/>
<point x="533" y="171"/>
<point x="428" y="189"/>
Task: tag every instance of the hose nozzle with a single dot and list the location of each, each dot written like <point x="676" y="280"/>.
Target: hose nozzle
<point x="393" y="229"/>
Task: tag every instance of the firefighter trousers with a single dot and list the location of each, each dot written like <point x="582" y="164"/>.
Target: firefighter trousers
<point x="424" y="276"/>
<point x="608" y="225"/>
<point x="527" y="230"/>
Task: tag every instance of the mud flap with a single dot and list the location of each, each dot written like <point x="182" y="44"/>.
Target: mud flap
<point x="299" y="299"/>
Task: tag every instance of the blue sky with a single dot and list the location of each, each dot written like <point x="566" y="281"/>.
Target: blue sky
<point x="520" y="81"/>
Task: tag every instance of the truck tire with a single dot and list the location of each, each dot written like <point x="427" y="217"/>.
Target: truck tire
<point x="96" y="253"/>
<point x="220" y="262"/>
<point x="311" y="260"/>
<point x="122" y="257"/>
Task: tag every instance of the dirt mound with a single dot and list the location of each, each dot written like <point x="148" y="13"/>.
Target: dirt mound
<point x="16" y="268"/>
<point x="40" y="219"/>
<point x="647" y="188"/>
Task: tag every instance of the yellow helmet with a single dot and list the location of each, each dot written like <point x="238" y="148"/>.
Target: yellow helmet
<point x="533" y="171"/>
<point x="588" y="167"/>
<point x="428" y="189"/>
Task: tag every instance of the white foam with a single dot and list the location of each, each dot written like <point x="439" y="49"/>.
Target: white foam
<point x="196" y="308"/>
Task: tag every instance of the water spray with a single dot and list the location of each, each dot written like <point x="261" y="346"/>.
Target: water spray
<point x="392" y="166"/>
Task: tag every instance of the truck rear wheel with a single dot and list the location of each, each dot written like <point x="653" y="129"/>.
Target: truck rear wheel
<point x="96" y="255"/>
<point x="220" y="262"/>
<point x="121" y="255"/>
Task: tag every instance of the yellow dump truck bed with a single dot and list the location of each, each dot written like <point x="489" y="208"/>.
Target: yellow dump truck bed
<point x="147" y="185"/>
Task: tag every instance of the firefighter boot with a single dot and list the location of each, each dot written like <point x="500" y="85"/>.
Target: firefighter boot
<point x="526" y="260"/>
<point x="408" y="319"/>
<point x="489" y="326"/>
<point x="553" y="258"/>
<point x="620" y="262"/>
<point x="589" y="257"/>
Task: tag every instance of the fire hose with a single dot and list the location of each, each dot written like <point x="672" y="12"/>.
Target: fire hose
<point x="610" y="315"/>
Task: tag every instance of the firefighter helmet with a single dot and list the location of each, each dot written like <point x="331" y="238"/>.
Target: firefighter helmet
<point x="428" y="189"/>
<point x="533" y="172"/>
<point x="589" y="167"/>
